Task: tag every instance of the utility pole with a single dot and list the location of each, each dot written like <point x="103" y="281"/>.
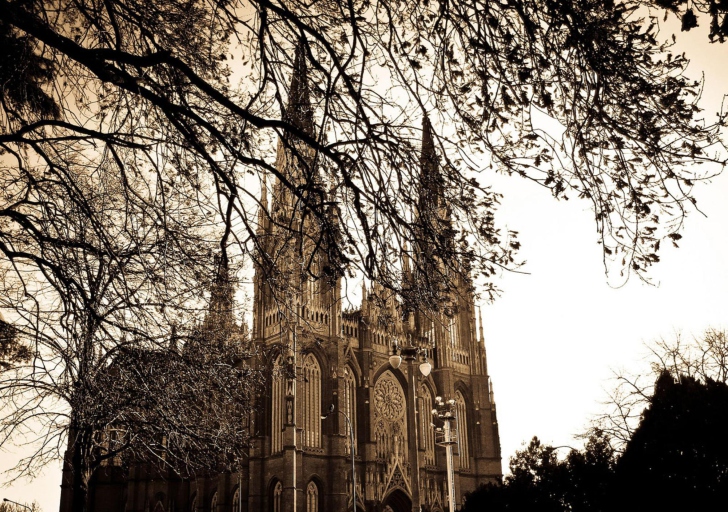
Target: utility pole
<point x="445" y="420"/>
<point x="411" y="354"/>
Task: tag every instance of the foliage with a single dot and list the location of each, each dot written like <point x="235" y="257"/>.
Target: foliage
<point x="182" y="411"/>
<point x="704" y="358"/>
<point x="677" y="459"/>
<point x="717" y="10"/>
<point x="11" y="351"/>
<point x="540" y="481"/>
<point x="128" y="86"/>
<point x="14" y="507"/>
<point x="103" y="272"/>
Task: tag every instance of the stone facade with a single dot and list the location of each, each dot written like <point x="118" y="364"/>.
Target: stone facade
<point x="319" y="355"/>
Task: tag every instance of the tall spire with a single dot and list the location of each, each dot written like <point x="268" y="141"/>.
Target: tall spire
<point x="263" y="210"/>
<point x="480" y="327"/>
<point x="299" y="112"/>
<point x="431" y="192"/>
<point x="220" y="318"/>
<point x="406" y="266"/>
<point x="264" y="191"/>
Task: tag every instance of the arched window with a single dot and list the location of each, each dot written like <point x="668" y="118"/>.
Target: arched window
<point x="350" y="403"/>
<point x="278" y="400"/>
<point x="428" y="432"/>
<point x="213" y="503"/>
<point x="454" y="333"/>
<point x="237" y="506"/>
<point x="389" y="418"/>
<point x="312" y="498"/>
<point x="277" y="493"/>
<point x="159" y="507"/>
<point x="462" y="426"/>
<point x="311" y="394"/>
<point x="193" y="507"/>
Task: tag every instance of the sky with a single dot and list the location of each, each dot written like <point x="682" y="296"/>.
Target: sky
<point x="556" y="334"/>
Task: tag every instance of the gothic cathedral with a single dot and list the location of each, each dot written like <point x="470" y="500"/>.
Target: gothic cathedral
<point x="330" y="379"/>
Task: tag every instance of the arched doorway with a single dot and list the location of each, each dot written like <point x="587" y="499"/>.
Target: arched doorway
<point x="397" y="501"/>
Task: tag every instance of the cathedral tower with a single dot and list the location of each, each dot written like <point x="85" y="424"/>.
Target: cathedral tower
<point x="317" y="355"/>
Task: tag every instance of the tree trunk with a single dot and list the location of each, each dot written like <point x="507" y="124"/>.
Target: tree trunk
<point x="80" y="468"/>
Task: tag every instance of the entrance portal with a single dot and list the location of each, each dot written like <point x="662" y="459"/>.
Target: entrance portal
<point x="398" y="501"/>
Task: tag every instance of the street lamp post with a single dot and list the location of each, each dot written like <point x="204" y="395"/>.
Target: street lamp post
<point x="411" y="354"/>
<point x="351" y="441"/>
<point x="18" y="504"/>
<point x="444" y="421"/>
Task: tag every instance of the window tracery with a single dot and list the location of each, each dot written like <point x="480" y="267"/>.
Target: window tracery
<point x="462" y="426"/>
<point x="311" y="402"/>
<point x="389" y="420"/>
<point x="277" y="493"/>
<point x="312" y="497"/>
<point x="278" y="400"/>
<point x="350" y="403"/>
<point x="428" y="433"/>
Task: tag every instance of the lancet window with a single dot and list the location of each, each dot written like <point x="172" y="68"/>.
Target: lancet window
<point x="312" y="497"/>
<point x="277" y="493"/>
<point x="278" y="400"/>
<point x="454" y="333"/>
<point x="350" y="403"/>
<point x="311" y="403"/>
<point x="462" y="426"/>
<point x="428" y="433"/>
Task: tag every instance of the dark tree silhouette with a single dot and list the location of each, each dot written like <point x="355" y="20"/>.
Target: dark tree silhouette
<point x="703" y="358"/>
<point x="540" y="481"/>
<point x="677" y="458"/>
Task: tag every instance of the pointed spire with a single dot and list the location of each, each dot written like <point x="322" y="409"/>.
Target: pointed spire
<point x="431" y="183"/>
<point x="264" y="212"/>
<point x="299" y="112"/>
<point x="264" y="191"/>
<point x="427" y="156"/>
<point x="406" y="266"/>
<point x="220" y="315"/>
<point x="480" y="327"/>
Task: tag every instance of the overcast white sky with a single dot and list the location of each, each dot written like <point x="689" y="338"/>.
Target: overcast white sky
<point x="555" y="334"/>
